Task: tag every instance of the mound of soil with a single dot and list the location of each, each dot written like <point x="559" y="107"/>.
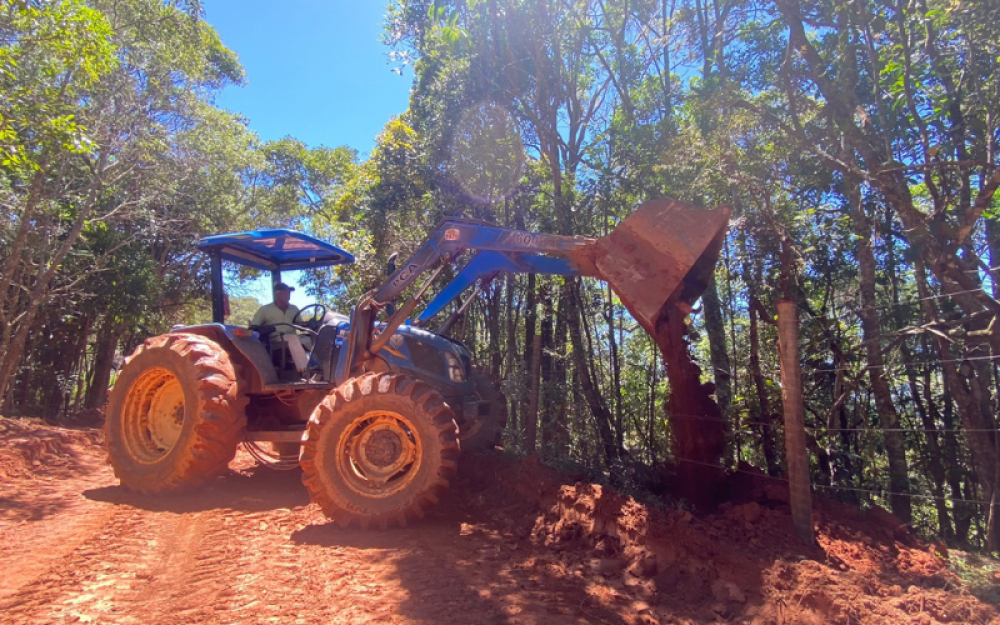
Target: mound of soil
<point x="740" y="564"/>
<point x="33" y="448"/>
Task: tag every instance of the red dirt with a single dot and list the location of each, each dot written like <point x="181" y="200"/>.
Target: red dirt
<point x="511" y="543"/>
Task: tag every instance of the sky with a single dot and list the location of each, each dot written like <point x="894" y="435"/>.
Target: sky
<point x="315" y="70"/>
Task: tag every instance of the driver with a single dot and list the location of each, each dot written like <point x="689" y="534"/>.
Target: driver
<point x="282" y="311"/>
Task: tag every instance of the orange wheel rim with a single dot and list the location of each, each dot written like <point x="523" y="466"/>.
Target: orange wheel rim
<point x="379" y="454"/>
<point x="153" y="415"/>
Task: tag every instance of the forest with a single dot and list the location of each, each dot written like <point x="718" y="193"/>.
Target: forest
<point x="856" y="143"/>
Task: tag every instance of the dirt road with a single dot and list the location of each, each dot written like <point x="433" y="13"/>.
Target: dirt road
<point x="251" y="549"/>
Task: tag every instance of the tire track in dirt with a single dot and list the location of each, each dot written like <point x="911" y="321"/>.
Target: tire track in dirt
<point x="33" y="550"/>
<point x="139" y="563"/>
<point x="39" y="536"/>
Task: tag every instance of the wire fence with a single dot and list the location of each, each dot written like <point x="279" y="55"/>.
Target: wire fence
<point x="910" y="302"/>
<point x="874" y="430"/>
<point x="884" y="493"/>
<point x="900" y="364"/>
<point x="892" y="339"/>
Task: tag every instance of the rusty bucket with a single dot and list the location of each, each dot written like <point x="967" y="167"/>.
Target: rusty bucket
<point x="664" y="252"/>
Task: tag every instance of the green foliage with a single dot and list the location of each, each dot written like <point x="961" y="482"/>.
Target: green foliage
<point x="52" y="53"/>
<point x="114" y="163"/>
<point x="978" y="574"/>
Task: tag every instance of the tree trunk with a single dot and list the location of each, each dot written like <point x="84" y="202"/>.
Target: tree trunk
<point x="547" y="400"/>
<point x="765" y="420"/>
<point x="493" y="328"/>
<point x="928" y="416"/>
<point x="105" y="349"/>
<point x="615" y="365"/>
<point x="697" y="425"/>
<point x="962" y="511"/>
<point x="531" y="414"/>
<point x="899" y="481"/>
<point x="983" y="451"/>
<point x="511" y="344"/>
<point x="530" y="361"/>
<point x="555" y="434"/>
<point x="715" y="327"/>
<point x="598" y="406"/>
<point x="10" y="353"/>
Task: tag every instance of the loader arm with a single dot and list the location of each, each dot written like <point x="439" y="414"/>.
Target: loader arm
<point x="490" y="263"/>
<point x="498" y="249"/>
<point x="454" y="236"/>
<point x="664" y="252"/>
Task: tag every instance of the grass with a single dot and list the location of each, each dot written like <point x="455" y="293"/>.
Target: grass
<point x="979" y="574"/>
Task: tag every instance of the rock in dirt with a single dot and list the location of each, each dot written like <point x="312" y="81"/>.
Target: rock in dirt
<point x="727" y="591"/>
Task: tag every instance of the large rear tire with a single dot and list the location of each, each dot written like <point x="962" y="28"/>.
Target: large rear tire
<point x="379" y="450"/>
<point x="175" y="415"/>
<point x="484" y="431"/>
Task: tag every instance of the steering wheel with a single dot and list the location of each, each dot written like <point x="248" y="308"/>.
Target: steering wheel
<point x="313" y="320"/>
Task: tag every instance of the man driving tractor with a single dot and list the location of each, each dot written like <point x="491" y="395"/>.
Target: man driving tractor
<point x="282" y="313"/>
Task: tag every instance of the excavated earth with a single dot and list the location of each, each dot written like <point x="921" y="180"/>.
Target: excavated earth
<point x="513" y="542"/>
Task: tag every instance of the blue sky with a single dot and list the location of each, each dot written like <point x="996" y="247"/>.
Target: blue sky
<point x="316" y="70"/>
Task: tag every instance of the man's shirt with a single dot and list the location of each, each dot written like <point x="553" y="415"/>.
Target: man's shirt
<point x="271" y="314"/>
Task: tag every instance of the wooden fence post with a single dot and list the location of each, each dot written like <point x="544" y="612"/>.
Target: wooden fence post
<point x="800" y="497"/>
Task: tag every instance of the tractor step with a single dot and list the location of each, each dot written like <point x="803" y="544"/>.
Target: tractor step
<point x="295" y="386"/>
<point x="275" y="436"/>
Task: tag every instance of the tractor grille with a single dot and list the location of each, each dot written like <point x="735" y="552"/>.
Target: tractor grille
<point x="427" y="358"/>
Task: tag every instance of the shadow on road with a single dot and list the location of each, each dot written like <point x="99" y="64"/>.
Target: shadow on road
<point x="464" y="564"/>
<point x="254" y="490"/>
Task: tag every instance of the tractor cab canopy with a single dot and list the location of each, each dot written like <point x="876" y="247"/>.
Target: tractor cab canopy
<point x="275" y="250"/>
<point x="270" y="250"/>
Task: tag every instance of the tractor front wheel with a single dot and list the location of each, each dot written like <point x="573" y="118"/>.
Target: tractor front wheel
<point x="175" y="415"/>
<point x="380" y="450"/>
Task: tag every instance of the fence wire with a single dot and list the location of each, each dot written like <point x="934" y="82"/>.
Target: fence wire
<point x="876" y="430"/>
<point x="880" y="492"/>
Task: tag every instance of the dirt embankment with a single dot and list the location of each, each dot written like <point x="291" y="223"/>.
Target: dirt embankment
<point x="512" y="543"/>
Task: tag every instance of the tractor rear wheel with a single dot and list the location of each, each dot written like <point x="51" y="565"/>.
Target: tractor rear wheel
<point x="379" y="450"/>
<point x="175" y="415"/>
<point x="483" y="431"/>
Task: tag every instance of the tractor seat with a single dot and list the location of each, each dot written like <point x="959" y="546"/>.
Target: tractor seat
<point x="326" y="350"/>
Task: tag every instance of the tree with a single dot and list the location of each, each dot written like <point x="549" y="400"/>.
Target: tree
<point x="104" y="95"/>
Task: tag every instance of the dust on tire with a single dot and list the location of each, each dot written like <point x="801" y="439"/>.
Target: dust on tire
<point x="193" y="377"/>
<point x="379" y="420"/>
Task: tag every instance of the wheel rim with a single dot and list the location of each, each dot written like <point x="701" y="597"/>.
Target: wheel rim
<point x="153" y="417"/>
<point x="379" y="454"/>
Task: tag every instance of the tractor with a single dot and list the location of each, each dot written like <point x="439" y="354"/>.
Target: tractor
<point x="378" y="426"/>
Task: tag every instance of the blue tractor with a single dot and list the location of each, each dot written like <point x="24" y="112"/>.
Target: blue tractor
<point x="378" y="424"/>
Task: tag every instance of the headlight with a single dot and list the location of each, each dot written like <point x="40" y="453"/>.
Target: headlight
<point x="455" y="370"/>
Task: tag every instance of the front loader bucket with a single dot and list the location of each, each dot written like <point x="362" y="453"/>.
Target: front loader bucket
<point x="664" y="252"/>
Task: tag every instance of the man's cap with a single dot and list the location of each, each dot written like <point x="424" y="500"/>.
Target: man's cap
<point x="281" y="286"/>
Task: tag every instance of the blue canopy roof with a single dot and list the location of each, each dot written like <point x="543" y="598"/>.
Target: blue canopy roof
<point x="283" y="250"/>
